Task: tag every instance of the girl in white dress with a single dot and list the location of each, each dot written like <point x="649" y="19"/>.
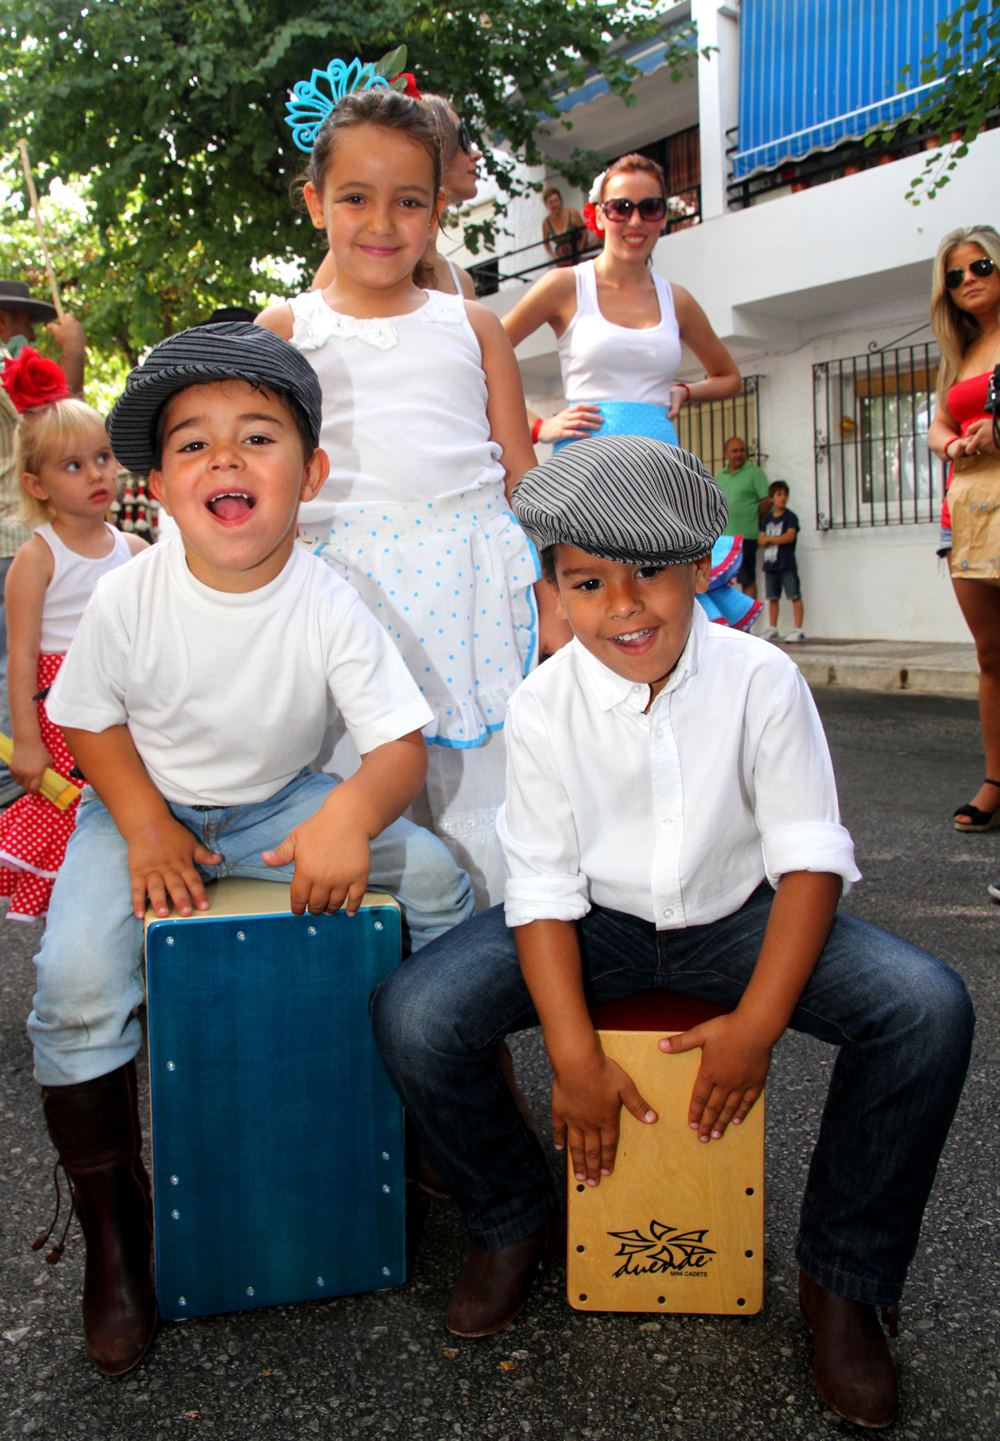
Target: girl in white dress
<point x="425" y="427"/>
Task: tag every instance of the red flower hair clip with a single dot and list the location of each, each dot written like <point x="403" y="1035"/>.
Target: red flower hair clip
<point x="410" y="87"/>
<point x="590" y="218"/>
<point x="31" y="381"/>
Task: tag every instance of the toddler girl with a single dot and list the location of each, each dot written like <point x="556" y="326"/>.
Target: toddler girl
<point x="425" y="428"/>
<point x="68" y="476"/>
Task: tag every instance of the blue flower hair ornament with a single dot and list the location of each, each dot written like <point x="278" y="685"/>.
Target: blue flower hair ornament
<point x="312" y="100"/>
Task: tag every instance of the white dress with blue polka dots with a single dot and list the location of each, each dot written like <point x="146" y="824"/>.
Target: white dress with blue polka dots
<point x="415" y="517"/>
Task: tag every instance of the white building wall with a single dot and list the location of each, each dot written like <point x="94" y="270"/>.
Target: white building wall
<point x="802" y="278"/>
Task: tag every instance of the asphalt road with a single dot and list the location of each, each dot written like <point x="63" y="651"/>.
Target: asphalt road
<point x="368" y="1365"/>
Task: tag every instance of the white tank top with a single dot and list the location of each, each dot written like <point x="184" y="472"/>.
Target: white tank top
<point x="456" y="279"/>
<point x="404" y="403"/>
<point x="72" y="584"/>
<point x="601" y="361"/>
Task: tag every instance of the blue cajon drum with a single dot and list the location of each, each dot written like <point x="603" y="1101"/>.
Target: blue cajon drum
<point x="679" y="1224"/>
<point x="277" y="1137"/>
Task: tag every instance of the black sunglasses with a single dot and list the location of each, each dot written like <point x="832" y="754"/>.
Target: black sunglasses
<point x="464" y="138"/>
<point x="653" y="207"/>
<point x="983" y="268"/>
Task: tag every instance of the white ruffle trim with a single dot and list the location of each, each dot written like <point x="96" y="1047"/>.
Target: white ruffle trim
<point x="450" y="580"/>
<point x="316" y="323"/>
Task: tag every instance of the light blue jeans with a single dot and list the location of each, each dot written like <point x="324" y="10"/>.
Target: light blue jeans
<point x="90" y="978"/>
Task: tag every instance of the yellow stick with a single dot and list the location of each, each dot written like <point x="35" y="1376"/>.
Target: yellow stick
<point x="41" y="233"/>
<point x="55" y="788"/>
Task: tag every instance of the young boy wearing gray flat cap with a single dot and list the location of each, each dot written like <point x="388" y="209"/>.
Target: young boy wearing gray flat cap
<point x="671" y="820"/>
<point x="194" y="697"/>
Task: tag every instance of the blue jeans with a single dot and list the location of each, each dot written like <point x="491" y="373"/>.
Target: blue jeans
<point x="902" y="1019"/>
<point x="90" y="963"/>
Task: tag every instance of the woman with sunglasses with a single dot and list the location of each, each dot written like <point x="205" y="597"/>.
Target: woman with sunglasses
<point x="965" y="315"/>
<point x="619" y="326"/>
<point x="460" y="157"/>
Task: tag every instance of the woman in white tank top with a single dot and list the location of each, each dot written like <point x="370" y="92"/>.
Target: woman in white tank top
<point x="619" y="326"/>
<point x="619" y="329"/>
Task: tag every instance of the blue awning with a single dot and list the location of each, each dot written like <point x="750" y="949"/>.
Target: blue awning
<point x="815" y="72"/>
<point x="647" y="57"/>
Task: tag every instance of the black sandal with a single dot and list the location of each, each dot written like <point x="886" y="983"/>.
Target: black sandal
<point x="979" y="820"/>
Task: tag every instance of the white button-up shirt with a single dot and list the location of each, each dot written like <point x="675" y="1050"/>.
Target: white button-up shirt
<point x="676" y="816"/>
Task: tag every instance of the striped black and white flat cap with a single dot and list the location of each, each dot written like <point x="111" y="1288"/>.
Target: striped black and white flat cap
<point x="232" y="350"/>
<point x="623" y="497"/>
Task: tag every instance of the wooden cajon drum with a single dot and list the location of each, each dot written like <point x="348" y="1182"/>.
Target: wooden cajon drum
<point x="277" y="1137"/>
<point x="679" y="1224"/>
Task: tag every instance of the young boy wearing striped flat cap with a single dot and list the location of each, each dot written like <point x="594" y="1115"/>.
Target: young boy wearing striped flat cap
<point x="671" y="820"/>
<point x="195" y="696"/>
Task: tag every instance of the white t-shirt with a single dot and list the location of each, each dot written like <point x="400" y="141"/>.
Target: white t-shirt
<point x="676" y="816"/>
<point x="227" y="697"/>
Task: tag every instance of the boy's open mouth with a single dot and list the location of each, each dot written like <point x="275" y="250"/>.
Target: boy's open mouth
<point x="231" y="506"/>
<point x="634" y="642"/>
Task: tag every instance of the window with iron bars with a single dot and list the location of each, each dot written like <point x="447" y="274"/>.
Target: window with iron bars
<point x="871" y="415"/>
<point x="704" y="427"/>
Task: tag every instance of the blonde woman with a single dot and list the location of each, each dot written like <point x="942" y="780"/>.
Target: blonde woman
<point x="460" y="157"/>
<point x="965" y="315"/>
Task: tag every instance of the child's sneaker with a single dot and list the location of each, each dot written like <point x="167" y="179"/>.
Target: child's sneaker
<point x="770" y="632"/>
<point x="794" y="636"/>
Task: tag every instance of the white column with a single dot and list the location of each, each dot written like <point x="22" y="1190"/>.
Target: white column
<point x="718" y="97"/>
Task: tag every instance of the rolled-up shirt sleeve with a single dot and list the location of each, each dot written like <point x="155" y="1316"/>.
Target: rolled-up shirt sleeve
<point x="536" y="826"/>
<point x="795" y="794"/>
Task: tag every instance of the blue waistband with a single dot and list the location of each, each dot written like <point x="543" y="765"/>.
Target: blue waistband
<point x="632" y="417"/>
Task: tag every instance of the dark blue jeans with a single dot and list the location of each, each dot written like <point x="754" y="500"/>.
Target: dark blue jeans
<point x="902" y="1019"/>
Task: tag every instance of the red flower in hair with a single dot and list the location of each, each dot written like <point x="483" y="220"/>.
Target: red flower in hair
<point x="31" y="381"/>
<point x="410" y="88"/>
<point x="590" y="218"/>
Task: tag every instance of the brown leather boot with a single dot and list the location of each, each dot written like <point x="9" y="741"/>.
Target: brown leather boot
<point x="494" y="1285"/>
<point x="852" y="1366"/>
<point x="95" y="1128"/>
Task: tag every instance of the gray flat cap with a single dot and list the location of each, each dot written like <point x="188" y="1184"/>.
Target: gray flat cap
<point x="623" y="497"/>
<point x="232" y="350"/>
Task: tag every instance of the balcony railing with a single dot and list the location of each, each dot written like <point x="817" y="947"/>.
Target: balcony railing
<point x="528" y="262"/>
<point x="847" y="158"/>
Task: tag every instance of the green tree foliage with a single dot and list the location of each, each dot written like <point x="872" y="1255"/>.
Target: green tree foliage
<point x="966" y="65"/>
<point x="168" y="116"/>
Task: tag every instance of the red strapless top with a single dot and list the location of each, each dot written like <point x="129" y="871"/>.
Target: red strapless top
<point x="967" y="403"/>
<point x="967" y="399"/>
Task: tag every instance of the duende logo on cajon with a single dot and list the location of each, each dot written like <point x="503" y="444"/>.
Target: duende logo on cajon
<point x="665" y="1251"/>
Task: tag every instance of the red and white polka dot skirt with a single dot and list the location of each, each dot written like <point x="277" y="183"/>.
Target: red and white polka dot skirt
<point x="34" y="832"/>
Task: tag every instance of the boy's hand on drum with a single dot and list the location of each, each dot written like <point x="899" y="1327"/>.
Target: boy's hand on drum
<point x="332" y="859"/>
<point x="162" y="856"/>
<point x="27" y="764"/>
<point x="586" y="1102"/>
<point x="734" y="1066"/>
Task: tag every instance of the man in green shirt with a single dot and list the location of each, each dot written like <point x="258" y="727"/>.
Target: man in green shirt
<point x="745" y="487"/>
